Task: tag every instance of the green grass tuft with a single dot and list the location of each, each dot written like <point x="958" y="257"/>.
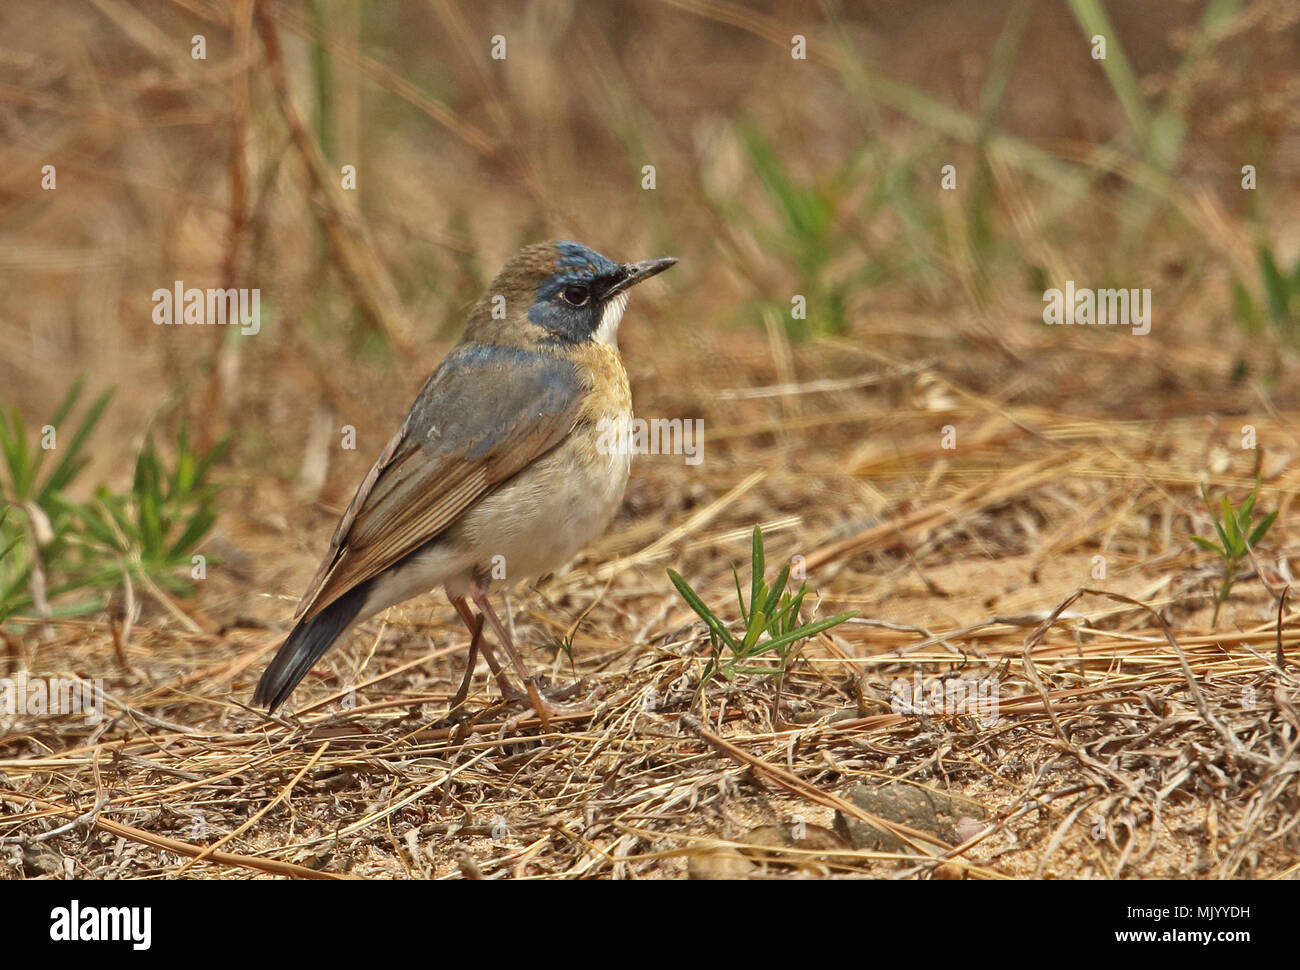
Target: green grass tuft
<point x="1238" y="535"/>
<point x="772" y="628"/>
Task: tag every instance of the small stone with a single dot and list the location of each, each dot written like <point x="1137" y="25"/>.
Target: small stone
<point x="719" y="864"/>
<point x="966" y="828"/>
<point x="919" y="808"/>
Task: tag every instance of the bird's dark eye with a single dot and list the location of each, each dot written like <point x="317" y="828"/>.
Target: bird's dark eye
<point x="575" y="294"/>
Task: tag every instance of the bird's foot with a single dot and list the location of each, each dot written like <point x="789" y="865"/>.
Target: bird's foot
<point x="547" y="704"/>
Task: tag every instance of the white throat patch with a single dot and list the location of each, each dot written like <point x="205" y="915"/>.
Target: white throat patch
<point x="607" y="332"/>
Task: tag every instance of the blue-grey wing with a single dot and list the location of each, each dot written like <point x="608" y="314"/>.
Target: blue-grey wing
<point x="481" y="417"/>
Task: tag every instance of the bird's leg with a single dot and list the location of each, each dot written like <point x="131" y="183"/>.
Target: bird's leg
<point x="475" y="625"/>
<point x="476" y="635"/>
<point x="545" y="708"/>
<point x="507" y="642"/>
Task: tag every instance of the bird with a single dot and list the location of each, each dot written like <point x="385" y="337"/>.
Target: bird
<point x="501" y="471"/>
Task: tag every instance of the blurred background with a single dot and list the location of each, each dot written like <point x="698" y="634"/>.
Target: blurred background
<point x="797" y="149"/>
<point x="870" y="202"/>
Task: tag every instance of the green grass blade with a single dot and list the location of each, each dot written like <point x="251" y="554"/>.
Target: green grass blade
<point x="1207" y="545"/>
<point x="60" y="415"/>
<point x="72" y="461"/>
<point x="1262" y="528"/>
<point x="1094" y="20"/>
<point x="806" y="631"/>
<point x="757" y="624"/>
<point x="1276" y="288"/>
<point x="198" y="527"/>
<point x="694" y="602"/>
<point x="759" y="565"/>
<point x="740" y="596"/>
<point x="777" y="589"/>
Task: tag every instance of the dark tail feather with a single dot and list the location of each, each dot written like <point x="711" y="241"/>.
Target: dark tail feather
<point x="305" y="645"/>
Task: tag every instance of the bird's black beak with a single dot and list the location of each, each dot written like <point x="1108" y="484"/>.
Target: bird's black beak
<point x="636" y="272"/>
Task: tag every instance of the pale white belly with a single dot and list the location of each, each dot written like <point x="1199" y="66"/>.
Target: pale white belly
<point x="542" y="518"/>
<point x="531" y="525"/>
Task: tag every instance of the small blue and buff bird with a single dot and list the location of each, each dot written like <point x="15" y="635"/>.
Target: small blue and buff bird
<point x="498" y="464"/>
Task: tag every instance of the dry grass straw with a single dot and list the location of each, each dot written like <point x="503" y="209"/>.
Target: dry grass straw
<point x="1131" y="739"/>
<point x="1128" y="740"/>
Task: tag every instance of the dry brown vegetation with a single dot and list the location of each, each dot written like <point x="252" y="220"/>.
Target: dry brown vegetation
<point x="1136" y="735"/>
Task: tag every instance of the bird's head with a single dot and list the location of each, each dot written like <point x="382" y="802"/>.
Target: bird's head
<point x="558" y="294"/>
